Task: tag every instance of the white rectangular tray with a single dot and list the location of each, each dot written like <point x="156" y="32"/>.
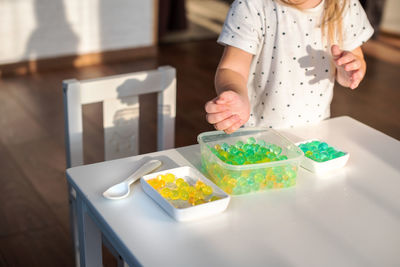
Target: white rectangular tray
<point x="326" y="166"/>
<point x="190" y="175"/>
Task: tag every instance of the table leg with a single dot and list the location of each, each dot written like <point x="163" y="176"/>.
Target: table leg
<point x="89" y="237"/>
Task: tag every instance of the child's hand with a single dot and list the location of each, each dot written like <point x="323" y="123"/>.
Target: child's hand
<point x="228" y="111"/>
<point x="350" y="66"/>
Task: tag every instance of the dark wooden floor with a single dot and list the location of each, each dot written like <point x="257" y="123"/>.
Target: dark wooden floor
<point x="34" y="228"/>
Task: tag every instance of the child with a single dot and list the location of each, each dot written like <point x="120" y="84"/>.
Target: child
<point x="281" y="59"/>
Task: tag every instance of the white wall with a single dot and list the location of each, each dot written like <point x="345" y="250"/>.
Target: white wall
<point x="391" y="17"/>
<point x="36" y="29"/>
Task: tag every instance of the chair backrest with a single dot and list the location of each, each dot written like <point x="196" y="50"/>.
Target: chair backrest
<point x="119" y="94"/>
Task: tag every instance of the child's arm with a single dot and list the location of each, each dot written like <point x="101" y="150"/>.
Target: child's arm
<point x="231" y="108"/>
<point x="351" y="66"/>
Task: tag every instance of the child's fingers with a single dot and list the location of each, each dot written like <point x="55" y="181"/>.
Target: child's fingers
<point x="353" y="65"/>
<point x="227" y="123"/>
<point x="336" y="52"/>
<point x="345" y="58"/>
<point x="225" y="97"/>
<point x="234" y="127"/>
<point x="217" y="117"/>
<point x="356" y="78"/>
<point x="212" y="107"/>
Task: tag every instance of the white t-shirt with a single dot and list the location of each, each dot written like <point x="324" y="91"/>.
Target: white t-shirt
<point x="291" y="76"/>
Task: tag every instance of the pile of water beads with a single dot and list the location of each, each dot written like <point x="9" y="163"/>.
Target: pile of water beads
<point x="320" y="151"/>
<point x="177" y="190"/>
<point x="250" y="152"/>
<point x="245" y="171"/>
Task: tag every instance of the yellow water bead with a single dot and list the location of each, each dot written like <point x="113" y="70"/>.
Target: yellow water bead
<point x="165" y="192"/>
<point x="183" y="185"/>
<point x="191" y="200"/>
<point x="198" y="195"/>
<point x="309" y="153"/>
<point x="213" y="198"/>
<point x="161" y="184"/>
<point x="228" y="190"/>
<point x="224" y="154"/>
<point x="199" y="201"/>
<point x="207" y="190"/>
<point x="191" y="190"/>
<point x="199" y="184"/>
<point x="183" y="194"/>
<point x="232" y="182"/>
<point x="171" y="185"/>
<point x="155" y="183"/>
<point x="271" y="178"/>
<point x="169" y="177"/>
<point x="179" y="181"/>
<point x="152" y="182"/>
<point x="226" y="179"/>
<point x="174" y="194"/>
<point x="263" y="184"/>
<point x="160" y="177"/>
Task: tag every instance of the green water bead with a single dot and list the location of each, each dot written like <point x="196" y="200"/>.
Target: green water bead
<point x="250" y="152"/>
<point x="262" y="143"/>
<point x="239" y="144"/>
<point x="233" y="150"/>
<point x="251" y="140"/>
<point x="282" y="157"/>
<point x="276" y="149"/>
<point x="225" y="146"/>
<point x="240" y="160"/>
<point x="322" y="146"/>
<point x="242" y="181"/>
<point x="250" y="181"/>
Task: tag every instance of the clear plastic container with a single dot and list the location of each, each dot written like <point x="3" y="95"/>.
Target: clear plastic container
<point x="242" y="179"/>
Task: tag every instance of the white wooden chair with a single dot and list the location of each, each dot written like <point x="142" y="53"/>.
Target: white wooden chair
<point x="119" y="95"/>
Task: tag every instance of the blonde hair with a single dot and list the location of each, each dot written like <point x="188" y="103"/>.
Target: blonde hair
<point x="331" y="22"/>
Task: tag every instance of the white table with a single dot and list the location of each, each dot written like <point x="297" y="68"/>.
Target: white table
<point x="350" y="217"/>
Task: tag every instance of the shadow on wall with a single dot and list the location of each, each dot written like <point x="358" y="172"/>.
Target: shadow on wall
<point x="53" y="35"/>
<point x="125" y="121"/>
<point x="122" y="25"/>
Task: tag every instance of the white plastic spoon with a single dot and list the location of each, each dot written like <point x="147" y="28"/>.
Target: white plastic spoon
<point x="122" y="189"/>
